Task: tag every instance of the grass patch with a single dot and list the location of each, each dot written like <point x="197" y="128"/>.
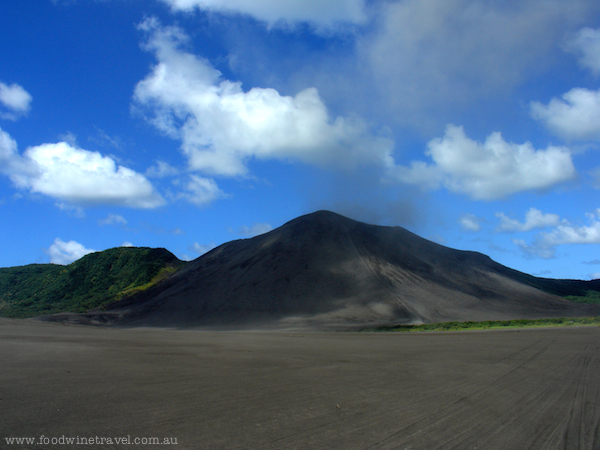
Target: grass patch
<point x="492" y="324"/>
<point x="161" y="275"/>
<point x="589" y="297"/>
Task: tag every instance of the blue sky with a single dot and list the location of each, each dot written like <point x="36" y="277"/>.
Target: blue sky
<point x="185" y="124"/>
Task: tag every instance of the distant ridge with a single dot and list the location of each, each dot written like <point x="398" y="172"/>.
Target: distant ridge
<point x="326" y="270"/>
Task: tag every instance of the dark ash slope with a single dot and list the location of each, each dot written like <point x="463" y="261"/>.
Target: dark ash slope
<point x="326" y="269"/>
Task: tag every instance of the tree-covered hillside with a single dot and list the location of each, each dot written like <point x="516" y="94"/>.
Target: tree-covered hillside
<point x="90" y="282"/>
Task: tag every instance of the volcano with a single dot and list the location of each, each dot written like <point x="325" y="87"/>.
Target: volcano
<point x="324" y="269"/>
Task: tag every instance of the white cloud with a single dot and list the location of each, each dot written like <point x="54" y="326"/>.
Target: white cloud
<point x="127" y="244"/>
<point x="321" y="13"/>
<point x="222" y="127"/>
<point x="534" y="218"/>
<point x="576" y="116"/>
<point x="8" y="146"/>
<point x="16" y="99"/>
<point x="470" y="222"/>
<point x="75" y="211"/>
<point x="595" y="175"/>
<point x="81" y="176"/>
<point x="586" y="45"/>
<point x="487" y="171"/>
<point x="102" y="138"/>
<point x="17" y="168"/>
<point x="544" y="244"/>
<point x="201" y="191"/>
<point x="70" y="138"/>
<point x="66" y="252"/>
<point x="255" y="229"/>
<point x="161" y="169"/>
<point x="538" y="249"/>
<point x="113" y="219"/>
<point x="570" y="234"/>
<point x="201" y="249"/>
<point x="75" y="175"/>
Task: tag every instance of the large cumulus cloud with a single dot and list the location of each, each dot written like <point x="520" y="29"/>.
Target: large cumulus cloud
<point x="490" y="170"/>
<point x="222" y="127"/>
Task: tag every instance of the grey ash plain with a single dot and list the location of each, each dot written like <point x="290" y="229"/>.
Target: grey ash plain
<point x="525" y="389"/>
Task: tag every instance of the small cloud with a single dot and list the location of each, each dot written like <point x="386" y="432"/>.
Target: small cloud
<point x="103" y="139"/>
<point x="14" y="98"/>
<point x="161" y="169"/>
<point x="66" y="252"/>
<point x="113" y="219"/>
<point x="534" y="218"/>
<point x="255" y="230"/>
<point x="585" y="44"/>
<point x="542" y="273"/>
<point x="161" y="230"/>
<point x="538" y="249"/>
<point x="72" y="210"/>
<point x="437" y="238"/>
<point x="575" y="116"/>
<point x="69" y="137"/>
<point x="544" y="244"/>
<point x="595" y="174"/>
<point x="593" y="262"/>
<point x="594" y="276"/>
<point x="499" y="249"/>
<point x="201" y="249"/>
<point x="470" y="222"/>
<point x="127" y="244"/>
<point x="201" y="191"/>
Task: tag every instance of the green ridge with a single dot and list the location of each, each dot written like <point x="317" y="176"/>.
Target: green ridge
<point x="88" y="283"/>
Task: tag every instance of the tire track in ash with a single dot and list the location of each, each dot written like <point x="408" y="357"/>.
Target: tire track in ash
<point x="443" y="418"/>
<point x="522" y="408"/>
<point x="506" y="425"/>
<point x="359" y="418"/>
<point x="583" y="425"/>
<point x="576" y="423"/>
<point x="370" y="419"/>
<point x="425" y="425"/>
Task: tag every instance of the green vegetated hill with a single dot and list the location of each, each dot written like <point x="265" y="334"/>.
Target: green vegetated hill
<point x="576" y="291"/>
<point x="589" y="297"/>
<point x="90" y="282"/>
